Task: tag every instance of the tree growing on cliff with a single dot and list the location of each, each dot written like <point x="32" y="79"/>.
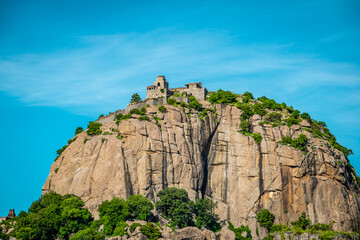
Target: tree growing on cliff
<point x="135" y="98"/>
<point x="112" y="213"/>
<point x="265" y="219"/>
<point x="302" y="222"/>
<point x="173" y="204"/>
<point x="204" y="210"/>
<point x="140" y="207"/>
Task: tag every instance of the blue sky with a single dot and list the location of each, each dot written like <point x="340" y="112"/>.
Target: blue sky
<point x="63" y="63"/>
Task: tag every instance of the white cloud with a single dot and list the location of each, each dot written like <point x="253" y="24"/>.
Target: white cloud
<point x="105" y="70"/>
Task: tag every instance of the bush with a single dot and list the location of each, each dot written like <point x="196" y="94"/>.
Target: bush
<point x="120" y="229"/>
<point x="134" y="226"/>
<point x="246" y="109"/>
<point x="144" y="118"/>
<point x="270" y="103"/>
<point x="302" y="222"/>
<point x="162" y="109"/>
<point x="279" y="228"/>
<point x="273" y="117"/>
<point x="88" y="234"/>
<point x="239" y="232"/>
<point x="259" y="109"/>
<point x="173" y="204"/>
<point x="135" y="111"/>
<point x="245" y="126"/>
<point x="204" y="209"/>
<point x="299" y="142"/>
<point x="194" y="104"/>
<point x="257" y="137"/>
<point x="223" y="97"/>
<point x="78" y="130"/>
<point x="140" y="207"/>
<point x="265" y="219"/>
<point x="94" y="128"/>
<point x="322" y="227"/>
<point x="119" y="117"/>
<point x="135" y="98"/>
<point x="305" y="116"/>
<point x="172" y="101"/>
<point x="151" y="231"/>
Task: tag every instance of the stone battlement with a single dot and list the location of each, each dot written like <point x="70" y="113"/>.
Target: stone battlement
<point x="160" y="89"/>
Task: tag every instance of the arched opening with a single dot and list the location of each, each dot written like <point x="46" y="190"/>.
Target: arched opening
<point x="158" y="84"/>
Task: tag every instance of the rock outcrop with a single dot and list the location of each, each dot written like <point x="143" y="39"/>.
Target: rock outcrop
<point x="210" y="158"/>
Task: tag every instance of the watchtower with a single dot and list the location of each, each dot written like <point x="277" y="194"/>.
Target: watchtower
<point x="159" y="89"/>
<point x="11" y="214"/>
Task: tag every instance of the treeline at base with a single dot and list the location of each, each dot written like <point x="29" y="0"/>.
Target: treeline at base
<point x="64" y="217"/>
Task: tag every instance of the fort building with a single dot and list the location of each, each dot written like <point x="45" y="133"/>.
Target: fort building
<point x="160" y="89"/>
<point x="10" y="215"/>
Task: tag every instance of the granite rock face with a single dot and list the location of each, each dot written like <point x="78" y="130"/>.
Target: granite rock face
<point x="210" y="158"/>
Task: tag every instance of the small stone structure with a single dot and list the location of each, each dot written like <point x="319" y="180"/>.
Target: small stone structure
<point x="160" y="89"/>
<point x="10" y="215"/>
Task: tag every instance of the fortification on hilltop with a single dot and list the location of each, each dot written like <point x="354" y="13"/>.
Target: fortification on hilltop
<point x="160" y="89"/>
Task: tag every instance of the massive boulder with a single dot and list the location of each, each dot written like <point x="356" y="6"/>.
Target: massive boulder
<point x="209" y="157"/>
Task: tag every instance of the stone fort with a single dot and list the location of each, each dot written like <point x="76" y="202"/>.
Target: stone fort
<point x="160" y="89"/>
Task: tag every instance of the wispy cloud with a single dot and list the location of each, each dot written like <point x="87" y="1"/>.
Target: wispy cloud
<point x="105" y="70"/>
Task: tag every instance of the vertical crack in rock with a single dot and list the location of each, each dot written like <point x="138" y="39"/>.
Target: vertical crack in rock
<point x="164" y="164"/>
<point x="127" y="176"/>
<point x="205" y="155"/>
<point x="261" y="177"/>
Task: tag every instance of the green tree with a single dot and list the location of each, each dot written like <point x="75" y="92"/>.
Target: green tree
<point x="140" y="207"/>
<point x="113" y="212"/>
<point x="135" y="98"/>
<point x="204" y="210"/>
<point x="173" y="204"/>
<point x="265" y="219"/>
<point x="302" y="222"/>
<point x="78" y="130"/>
<point x="52" y="216"/>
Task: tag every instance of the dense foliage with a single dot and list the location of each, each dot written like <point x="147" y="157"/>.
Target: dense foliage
<point x="222" y="96"/>
<point x="302" y="222"/>
<point x="239" y="232"/>
<point x="94" y="128"/>
<point x="174" y="204"/>
<point x="265" y="219"/>
<point x="140" y="207"/>
<point x="194" y="104"/>
<point x="120" y="117"/>
<point x="151" y="231"/>
<point x="52" y="216"/>
<point x="299" y="142"/>
<point x="204" y="210"/>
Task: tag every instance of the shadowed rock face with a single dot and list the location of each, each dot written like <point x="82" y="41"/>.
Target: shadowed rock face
<point x="212" y="159"/>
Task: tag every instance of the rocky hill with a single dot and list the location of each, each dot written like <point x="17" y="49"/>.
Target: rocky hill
<point x="244" y="154"/>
